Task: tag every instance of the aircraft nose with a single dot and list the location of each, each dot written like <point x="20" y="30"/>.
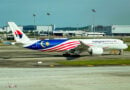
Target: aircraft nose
<point x="125" y="46"/>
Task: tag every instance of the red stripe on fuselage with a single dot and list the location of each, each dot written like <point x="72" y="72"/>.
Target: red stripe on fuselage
<point x="68" y="48"/>
<point x="58" y="47"/>
<point x="62" y="48"/>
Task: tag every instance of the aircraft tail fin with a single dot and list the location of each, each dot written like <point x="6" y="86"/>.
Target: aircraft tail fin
<point x="19" y="36"/>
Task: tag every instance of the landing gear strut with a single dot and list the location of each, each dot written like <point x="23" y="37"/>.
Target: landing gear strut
<point x="120" y="52"/>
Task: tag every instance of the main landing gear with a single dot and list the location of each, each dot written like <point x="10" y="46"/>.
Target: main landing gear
<point x="73" y="53"/>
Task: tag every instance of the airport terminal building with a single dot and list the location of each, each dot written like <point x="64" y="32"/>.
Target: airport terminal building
<point x="120" y="30"/>
<point x="114" y="30"/>
<point x="40" y="29"/>
<point x="99" y="30"/>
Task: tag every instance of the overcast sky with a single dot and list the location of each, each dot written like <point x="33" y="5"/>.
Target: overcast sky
<point x="64" y="13"/>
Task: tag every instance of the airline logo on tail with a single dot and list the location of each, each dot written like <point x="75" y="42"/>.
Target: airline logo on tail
<point x="18" y="34"/>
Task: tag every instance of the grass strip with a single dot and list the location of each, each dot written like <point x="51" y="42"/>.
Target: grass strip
<point x="95" y="62"/>
<point x="128" y="49"/>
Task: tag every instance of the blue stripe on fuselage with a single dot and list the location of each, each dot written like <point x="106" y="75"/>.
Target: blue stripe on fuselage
<point x="43" y="44"/>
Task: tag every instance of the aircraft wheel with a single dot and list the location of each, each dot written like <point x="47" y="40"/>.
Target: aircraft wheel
<point x="120" y="52"/>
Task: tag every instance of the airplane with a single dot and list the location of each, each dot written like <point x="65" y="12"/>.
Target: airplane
<point x="67" y="46"/>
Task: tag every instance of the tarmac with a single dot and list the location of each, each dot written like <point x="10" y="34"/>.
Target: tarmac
<point x="15" y="56"/>
<point x="20" y="53"/>
<point x="80" y="78"/>
<point x="58" y="78"/>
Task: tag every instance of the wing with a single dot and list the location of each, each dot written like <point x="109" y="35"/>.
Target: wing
<point x="80" y="48"/>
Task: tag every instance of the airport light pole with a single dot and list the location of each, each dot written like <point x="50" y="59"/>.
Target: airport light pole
<point x="93" y="26"/>
<point x="34" y="21"/>
<point x="48" y="14"/>
<point x="77" y="29"/>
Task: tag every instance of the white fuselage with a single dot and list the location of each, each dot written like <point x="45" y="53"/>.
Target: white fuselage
<point x="105" y="43"/>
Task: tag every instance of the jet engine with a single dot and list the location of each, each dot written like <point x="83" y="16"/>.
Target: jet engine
<point x="95" y="50"/>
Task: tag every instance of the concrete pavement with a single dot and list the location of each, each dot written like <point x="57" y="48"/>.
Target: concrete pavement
<point x="80" y="78"/>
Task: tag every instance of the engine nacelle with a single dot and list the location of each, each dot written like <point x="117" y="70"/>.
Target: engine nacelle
<point x="95" y="50"/>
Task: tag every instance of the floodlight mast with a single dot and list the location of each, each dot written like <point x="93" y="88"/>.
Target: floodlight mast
<point x="93" y="26"/>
